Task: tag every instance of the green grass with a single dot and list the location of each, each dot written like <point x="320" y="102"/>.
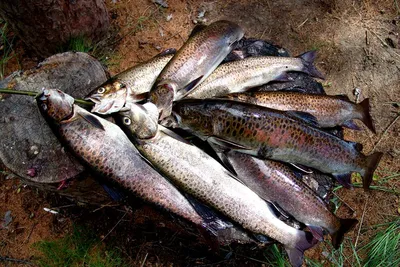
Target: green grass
<point x="7" y="51"/>
<point x="275" y="256"/>
<point x="81" y="248"/>
<point x="384" y="248"/>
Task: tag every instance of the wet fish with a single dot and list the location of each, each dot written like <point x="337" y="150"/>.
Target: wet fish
<point x="278" y="184"/>
<point x="197" y="173"/>
<point x="193" y="63"/>
<point x="277" y="135"/>
<point x="330" y="111"/>
<point x="240" y="75"/>
<point x="104" y="147"/>
<point x="131" y="85"/>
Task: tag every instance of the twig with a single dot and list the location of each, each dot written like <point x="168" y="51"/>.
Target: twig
<point x="112" y="229"/>
<point x="15" y="260"/>
<point x="30" y="233"/>
<point x="344" y="202"/>
<point x="35" y="94"/>
<point x="144" y="260"/>
<point x="301" y="24"/>
<point x="362" y="220"/>
<point x="385" y="132"/>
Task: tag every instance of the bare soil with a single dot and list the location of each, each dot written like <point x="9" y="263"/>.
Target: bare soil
<point x="358" y="48"/>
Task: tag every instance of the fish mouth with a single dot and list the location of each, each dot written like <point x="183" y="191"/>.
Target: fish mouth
<point x="96" y="98"/>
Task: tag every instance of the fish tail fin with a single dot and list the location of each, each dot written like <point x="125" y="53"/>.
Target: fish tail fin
<point x="366" y="115"/>
<point x="345" y="226"/>
<point x="307" y="59"/>
<point x="296" y="253"/>
<point x="371" y="162"/>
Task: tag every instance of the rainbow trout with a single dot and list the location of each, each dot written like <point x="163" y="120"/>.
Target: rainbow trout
<point x="132" y="85"/>
<point x="193" y="63"/>
<point x="329" y="111"/>
<point x="272" y="134"/>
<point x="240" y="75"/>
<point x="278" y="184"/>
<point x="197" y="173"/>
<point x="105" y="148"/>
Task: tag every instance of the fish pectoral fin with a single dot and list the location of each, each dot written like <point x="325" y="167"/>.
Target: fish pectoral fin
<point x="213" y="222"/>
<point x="280" y="210"/>
<point x="357" y="146"/>
<point x="225" y="143"/>
<point x="344" y="180"/>
<point x="283" y="77"/>
<point x="302" y="168"/>
<point x="198" y="28"/>
<point x="317" y="232"/>
<point x="91" y="119"/>
<point x="192" y="84"/>
<point x="351" y="125"/>
<point x="221" y="154"/>
<point x="173" y="134"/>
<point x="303" y="116"/>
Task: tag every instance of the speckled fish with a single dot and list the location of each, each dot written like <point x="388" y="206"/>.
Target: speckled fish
<point x="197" y="173"/>
<point x="105" y="148"/>
<point x="329" y="111"/>
<point x="278" y="184"/>
<point x="193" y="63"/>
<point x="240" y="75"/>
<point x="131" y="85"/>
<point x="272" y="134"/>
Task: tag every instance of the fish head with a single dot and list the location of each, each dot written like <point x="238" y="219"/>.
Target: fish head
<point x="109" y="97"/>
<point x="192" y="114"/>
<point x="55" y="104"/>
<point x="137" y="120"/>
<point x="163" y="96"/>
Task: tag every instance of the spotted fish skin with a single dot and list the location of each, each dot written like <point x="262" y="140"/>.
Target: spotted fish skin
<point x="330" y="111"/>
<point x="194" y="62"/>
<point x="197" y="173"/>
<point x="109" y="152"/>
<point x="278" y="184"/>
<point x="272" y="134"/>
<point x="129" y="86"/>
<point x="240" y="75"/>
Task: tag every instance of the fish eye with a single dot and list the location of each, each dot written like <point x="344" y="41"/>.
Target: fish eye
<point x="101" y="90"/>
<point x="127" y="121"/>
<point x="122" y="85"/>
<point x="44" y="106"/>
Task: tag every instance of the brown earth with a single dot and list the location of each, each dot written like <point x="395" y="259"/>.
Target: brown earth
<point x="358" y="47"/>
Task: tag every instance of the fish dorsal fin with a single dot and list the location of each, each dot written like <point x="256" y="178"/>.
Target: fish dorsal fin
<point x="173" y="134"/>
<point x="169" y="51"/>
<point x="198" y="28"/>
<point x="303" y="116"/>
<point x="91" y="119"/>
<point x="226" y="144"/>
<point x="343" y="97"/>
<point x="356" y="146"/>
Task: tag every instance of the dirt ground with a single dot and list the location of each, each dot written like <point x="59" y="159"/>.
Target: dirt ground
<point x="358" y="47"/>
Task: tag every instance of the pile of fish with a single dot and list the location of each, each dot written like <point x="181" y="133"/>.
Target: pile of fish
<point x="262" y="142"/>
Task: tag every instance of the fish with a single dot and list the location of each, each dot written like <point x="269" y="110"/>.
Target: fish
<point x="193" y="63"/>
<point x="131" y="85"/>
<point x="240" y="75"/>
<point x="277" y="135"/>
<point x="279" y="184"/>
<point x="200" y="175"/>
<point x="105" y="149"/>
<point x="329" y="111"/>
